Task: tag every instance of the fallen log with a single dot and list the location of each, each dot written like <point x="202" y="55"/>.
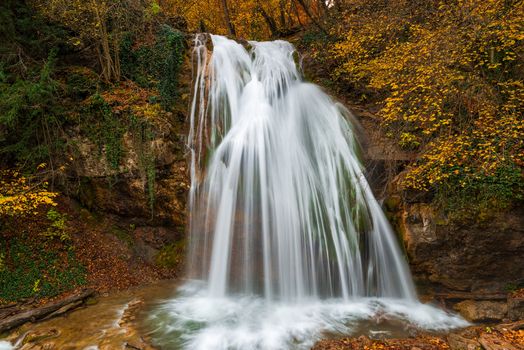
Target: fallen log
<point x="55" y="308"/>
<point x="9" y="311"/>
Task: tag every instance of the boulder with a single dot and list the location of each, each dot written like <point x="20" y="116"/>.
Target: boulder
<point x="477" y="257"/>
<point x="482" y="311"/>
<point x="493" y="342"/>
<point x="516" y="308"/>
<point x="457" y="342"/>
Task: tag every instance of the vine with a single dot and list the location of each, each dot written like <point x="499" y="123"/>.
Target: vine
<point x="105" y="129"/>
<point x="143" y="135"/>
<point x="155" y="65"/>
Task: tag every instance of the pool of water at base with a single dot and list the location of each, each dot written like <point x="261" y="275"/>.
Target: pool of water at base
<point x="168" y="315"/>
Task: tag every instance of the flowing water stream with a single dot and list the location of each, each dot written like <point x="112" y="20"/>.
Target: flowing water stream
<point x="288" y="242"/>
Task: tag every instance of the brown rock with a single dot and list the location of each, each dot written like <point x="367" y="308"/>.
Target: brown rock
<point x="492" y="342"/>
<point x="156" y="237"/>
<point x="456" y="342"/>
<point x="481" y="311"/>
<point x="474" y="257"/>
<point x="516" y="308"/>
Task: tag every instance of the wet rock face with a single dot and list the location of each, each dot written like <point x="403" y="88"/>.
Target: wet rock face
<point x="126" y="191"/>
<point x="126" y="194"/>
<point x="516" y="308"/>
<point x="480" y="257"/>
<point x="486" y="257"/>
<point x="482" y="311"/>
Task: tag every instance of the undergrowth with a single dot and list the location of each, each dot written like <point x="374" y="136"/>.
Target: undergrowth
<point x="37" y="258"/>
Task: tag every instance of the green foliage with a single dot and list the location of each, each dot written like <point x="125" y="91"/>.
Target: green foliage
<point x="25" y="32"/>
<point x="28" y="270"/>
<point x="171" y="255"/>
<point x="30" y="116"/>
<point x="105" y="129"/>
<point x="155" y="65"/>
<point x="58" y="227"/>
<point x="481" y="198"/>
<point x="171" y="48"/>
<point x="142" y="131"/>
<point x="408" y="141"/>
<point x="81" y="83"/>
<point x="511" y="287"/>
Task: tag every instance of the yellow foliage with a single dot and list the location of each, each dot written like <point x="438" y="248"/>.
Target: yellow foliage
<point x="448" y="77"/>
<point x="246" y="16"/>
<point x="19" y="197"/>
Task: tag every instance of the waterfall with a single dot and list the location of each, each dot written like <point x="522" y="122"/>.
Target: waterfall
<point x="279" y="203"/>
<point x="287" y="240"/>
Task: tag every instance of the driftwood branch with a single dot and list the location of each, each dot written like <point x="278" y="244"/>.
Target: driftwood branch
<point x="52" y="309"/>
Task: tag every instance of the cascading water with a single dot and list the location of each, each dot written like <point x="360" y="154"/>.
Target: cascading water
<point x="282" y="209"/>
<point x="287" y="239"/>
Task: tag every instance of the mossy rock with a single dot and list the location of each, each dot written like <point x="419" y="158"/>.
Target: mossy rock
<point x="392" y="203"/>
<point x="122" y="235"/>
<point x="91" y="301"/>
<point x="171" y="255"/>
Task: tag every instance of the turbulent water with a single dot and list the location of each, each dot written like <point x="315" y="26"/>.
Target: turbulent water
<point x="5" y="345"/>
<point x="288" y="242"/>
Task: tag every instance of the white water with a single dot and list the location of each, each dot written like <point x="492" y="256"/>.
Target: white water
<point x="287" y="240"/>
<point x="5" y="345"/>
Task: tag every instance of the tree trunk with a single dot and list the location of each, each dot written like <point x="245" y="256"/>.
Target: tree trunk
<point x="109" y="70"/>
<point x="270" y="21"/>
<point x="297" y="14"/>
<point x="308" y="13"/>
<point x="282" y="8"/>
<point x="227" y="18"/>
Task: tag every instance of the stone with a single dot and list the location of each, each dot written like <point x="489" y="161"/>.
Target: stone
<point x="474" y="257"/>
<point x="145" y="251"/>
<point x="516" y="308"/>
<point x="156" y="237"/>
<point x="492" y="342"/>
<point x="38" y="336"/>
<point x="482" y="311"/>
<point x="457" y="342"/>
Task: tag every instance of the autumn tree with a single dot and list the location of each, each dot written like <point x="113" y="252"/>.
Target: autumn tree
<point x="100" y="24"/>
<point x="447" y="79"/>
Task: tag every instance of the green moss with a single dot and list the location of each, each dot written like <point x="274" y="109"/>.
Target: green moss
<point x="122" y="235"/>
<point x="105" y="129"/>
<point x="482" y="199"/>
<point x="171" y="255"/>
<point x="91" y="301"/>
<point x="143" y="135"/>
<point x="392" y="203"/>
